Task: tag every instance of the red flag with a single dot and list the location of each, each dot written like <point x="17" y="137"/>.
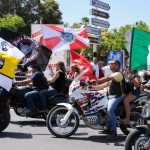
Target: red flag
<point x="83" y="64"/>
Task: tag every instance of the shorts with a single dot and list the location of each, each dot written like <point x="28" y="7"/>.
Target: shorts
<point x="135" y="92"/>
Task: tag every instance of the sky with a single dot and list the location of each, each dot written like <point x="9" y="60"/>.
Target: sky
<point x="122" y="12"/>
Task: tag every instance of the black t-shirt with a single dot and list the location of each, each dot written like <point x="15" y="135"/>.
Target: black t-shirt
<point x="59" y="83"/>
<point x="39" y="81"/>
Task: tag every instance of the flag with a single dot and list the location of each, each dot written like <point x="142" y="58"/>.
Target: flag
<point x="33" y="51"/>
<point x="140" y="50"/>
<point x="10" y="56"/>
<point x="57" y="38"/>
<point x="82" y="63"/>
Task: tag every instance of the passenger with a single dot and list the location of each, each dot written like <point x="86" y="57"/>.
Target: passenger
<point x="56" y="83"/>
<point x="135" y="82"/>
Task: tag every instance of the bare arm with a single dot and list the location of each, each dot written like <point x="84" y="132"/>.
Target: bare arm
<point x="100" y="87"/>
<point x="54" y="78"/>
<point x="24" y="82"/>
<point x="104" y="79"/>
<point x="136" y="81"/>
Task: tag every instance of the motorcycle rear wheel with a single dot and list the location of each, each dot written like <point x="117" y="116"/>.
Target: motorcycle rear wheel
<point x="136" y="140"/>
<point x="4" y="119"/>
<point x="54" y="124"/>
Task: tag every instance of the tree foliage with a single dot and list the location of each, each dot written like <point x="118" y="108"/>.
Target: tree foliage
<point x="12" y="22"/>
<point x="32" y="11"/>
<point x="115" y="39"/>
<point x="51" y="13"/>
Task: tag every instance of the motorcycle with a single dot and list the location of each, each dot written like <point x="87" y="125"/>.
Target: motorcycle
<point x="18" y="103"/>
<point x="139" y="139"/>
<point x="90" y="106"/>
<point x="4" y="109"/>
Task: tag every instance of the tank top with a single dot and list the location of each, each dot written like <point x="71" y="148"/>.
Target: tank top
<point x="59" y="83"/>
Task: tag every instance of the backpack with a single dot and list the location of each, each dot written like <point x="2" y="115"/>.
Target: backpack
<point x="126" y="86"/>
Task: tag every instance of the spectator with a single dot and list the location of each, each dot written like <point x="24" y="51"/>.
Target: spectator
<point x="101" y="73"/>
<point x="95" y="67"/>
<point x="75" y="71"/>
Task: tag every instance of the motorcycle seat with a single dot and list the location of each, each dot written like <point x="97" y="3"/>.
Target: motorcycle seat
<point x="142" y="95"/>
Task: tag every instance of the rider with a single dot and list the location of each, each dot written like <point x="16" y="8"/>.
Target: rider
<point x="39" y="81"/>
<point x="115" y="93"/>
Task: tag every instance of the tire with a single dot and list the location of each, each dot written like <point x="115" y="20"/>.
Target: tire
<point x="53" y="121"/>
<point x="136" y="140"/>
<point x="4" y="119"/>
<point x="135" y="119"/>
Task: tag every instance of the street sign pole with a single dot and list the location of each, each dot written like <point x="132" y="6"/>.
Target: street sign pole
<point x="94" y="50"/>
<point x="97" y="22"/>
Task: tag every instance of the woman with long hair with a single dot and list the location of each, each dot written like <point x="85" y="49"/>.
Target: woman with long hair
<point x="56" y="83"/>
<point x="135" y="82"/>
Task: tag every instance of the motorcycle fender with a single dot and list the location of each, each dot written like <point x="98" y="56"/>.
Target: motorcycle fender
<point x="145" y="128"/>
<point x="68" y="106"/>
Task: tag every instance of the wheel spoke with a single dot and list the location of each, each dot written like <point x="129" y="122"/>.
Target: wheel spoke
<point x="55" y="125"/>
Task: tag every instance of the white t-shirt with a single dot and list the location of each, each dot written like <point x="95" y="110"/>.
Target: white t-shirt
<point x="107" y="71"/>
<point x="141" y="74"/>
<point x="96" y="69"/>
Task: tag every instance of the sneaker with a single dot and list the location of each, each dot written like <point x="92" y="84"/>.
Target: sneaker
<point x="32" y="114"/>
<point x="112" y="133"/>
<point x="43" y="111"/>
<point x="25" y="112"/>
<point x="104" y="131"/>
<point x="125" y="121"/>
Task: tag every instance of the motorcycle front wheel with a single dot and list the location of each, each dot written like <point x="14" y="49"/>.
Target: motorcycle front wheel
<point x="136" y="140"/>
<point x="53" y="122"/>
<point x="4" y="119"/>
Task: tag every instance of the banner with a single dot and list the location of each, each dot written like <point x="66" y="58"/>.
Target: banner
<point x="33" y="51"/>
<point x="116" y="55"/>
<point x="10" y="56"/>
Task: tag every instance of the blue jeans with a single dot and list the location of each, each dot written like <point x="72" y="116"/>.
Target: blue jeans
<point x="30" y="97"/>
<point x="112" y="105"/>
<point x="44" y="94"/>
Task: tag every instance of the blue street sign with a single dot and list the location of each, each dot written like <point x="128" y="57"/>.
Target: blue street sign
<point x="93" y="30"/>
<point x="101" y="23"/>
<point x="100" y="4"/>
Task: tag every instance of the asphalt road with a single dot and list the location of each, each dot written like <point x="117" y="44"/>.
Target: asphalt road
<point x="32" y="134"/>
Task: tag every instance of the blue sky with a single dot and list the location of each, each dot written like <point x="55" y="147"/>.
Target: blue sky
<point x="121" y="12"/>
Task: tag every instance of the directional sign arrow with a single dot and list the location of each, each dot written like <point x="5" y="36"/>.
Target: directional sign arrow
<point x="99" y="22"/>
<point x="100" y="4"/>
<point x="94" y="40"/>
<point x="99" y="13"/>
<point x="93" y="30"/>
